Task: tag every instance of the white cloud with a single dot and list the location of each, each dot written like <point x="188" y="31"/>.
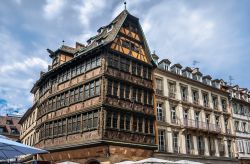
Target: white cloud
<point x="88" y="9"/>
<point x="53" y="8"/>
<point x="28" y="63"/>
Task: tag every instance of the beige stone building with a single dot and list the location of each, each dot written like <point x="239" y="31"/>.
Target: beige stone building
<point x="193" y="116"/>
<point x="240" y="103"/>
<point x="28" y="134"/>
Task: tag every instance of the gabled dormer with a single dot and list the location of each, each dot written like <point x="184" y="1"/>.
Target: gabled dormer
<point x="207" y="80"/>
<point x="164" y="64"/>
<point x="176" y="68"/>
<point x="216" y="83"/>
<point x="61" y="55"/>
<point x="197" y="75"/>
<point x="187" y="72"/>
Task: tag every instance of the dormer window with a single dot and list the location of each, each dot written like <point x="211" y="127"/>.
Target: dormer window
<point x="90" y="41"/>
<point x="207" y="81"/>
<point x="197" y="77"/>
<point x="165" y="64"/>
<point x="176" y="69"/>
<point x="100" y="31"/>
<point x="99" y="41"/>
<point x="189" y="75"/>
<point x="110" y="27"/>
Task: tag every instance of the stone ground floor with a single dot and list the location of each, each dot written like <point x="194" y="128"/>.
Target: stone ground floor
<point x="98" y="154"/>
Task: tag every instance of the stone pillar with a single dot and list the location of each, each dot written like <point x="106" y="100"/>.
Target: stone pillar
<point x="182" y="142"/>
<point x="178" y="91"/>
<point x="200" y="97"/>
<point x="180" y="114"/>
<point x="210" y="100"/>
<point x="222" y="123"/>
<point x="165" y="86"/>
<point x="219" y="104"/>
<point x="206" y="146"/>
<point x="226" y="148"/>
<point x="190" y="95"/>
<point x="168" y="112"/>
<point x="217" y="154"/>
<point x="195" y="145"/>
<point x="191" y="113"/>
<point x="170" y="140"/>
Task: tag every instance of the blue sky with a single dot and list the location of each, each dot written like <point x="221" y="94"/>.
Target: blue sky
<point x="216" y="33"/>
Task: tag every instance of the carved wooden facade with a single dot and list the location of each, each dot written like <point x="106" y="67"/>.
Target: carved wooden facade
<point x="102" y="96"/>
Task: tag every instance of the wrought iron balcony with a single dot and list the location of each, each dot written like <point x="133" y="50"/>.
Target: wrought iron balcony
<point x="222" y="150"/>
<point x="161" y="118"/>
<point x="171" y="95"/>
<point x="159" y="92"/>
<point x="196" y="102"/>
<point x="173" y="121"/>
<point x="201" y="151"/>
<point x="184" y="98"/>
<point x="162" y="148"/>
<point x="176" y="149"/>
<point x="205" y="104"/>
<point x="194" y="124"/>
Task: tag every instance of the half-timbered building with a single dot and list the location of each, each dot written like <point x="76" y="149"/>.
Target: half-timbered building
<point x="95" y="102"/>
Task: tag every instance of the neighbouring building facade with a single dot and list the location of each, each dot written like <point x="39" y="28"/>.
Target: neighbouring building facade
<point x="95" y="102"/>
<point x="28" y="133"/>
<point x="240" y="102"/>
<point x="9" y="127"/>
<point x="194" y="118"/>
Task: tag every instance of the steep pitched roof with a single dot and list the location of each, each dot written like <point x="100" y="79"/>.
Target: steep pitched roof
<point x="188" y="69"/>
<point x="178" y="65"/>
<point x="108" y="33"/>
<point x="165" y="61"/>
<point x="207" y="77"/>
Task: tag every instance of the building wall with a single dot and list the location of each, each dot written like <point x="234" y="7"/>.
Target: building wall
<point x="9" y="127"/>
<point x="28" y="134"/>
<point x="241" y="118"/>
<point x="216" y="138"/>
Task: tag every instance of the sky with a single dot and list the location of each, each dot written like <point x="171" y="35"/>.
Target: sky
<point x="216" y="33"/>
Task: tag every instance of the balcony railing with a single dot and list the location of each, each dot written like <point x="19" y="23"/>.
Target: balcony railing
<point x="171" y="95"/>
<point x="162" y="148"/>
<point x="159" y="92"/>
<point x="205" y="104"/>
<point x="212" y="152"/>
<point x="215" y="106"/>
<point x="222" y="150"/>
<point x="201" y="151"/>
<point x="161" y="118"/>
<point x="184" y="98"/>
<point x="201" y="125"/>
<point x="173" y="121"/>
<point x="176" y="149"/>
<point x="196" y="102"/>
